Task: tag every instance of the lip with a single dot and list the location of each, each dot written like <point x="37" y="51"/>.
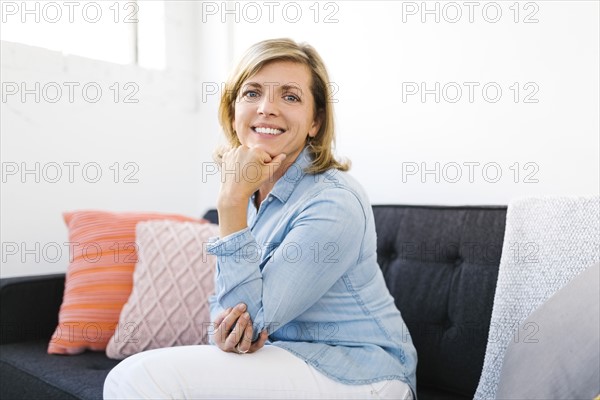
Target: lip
<point x="271" y="126"/>
<point x="266" y="135"/>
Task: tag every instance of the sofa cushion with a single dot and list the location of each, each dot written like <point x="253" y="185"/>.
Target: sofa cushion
<point x="441" y="265"/>
<point x="28" y="372"/>
<point x="548" y="241"/>
<point x="171" y="284"/>
<point x="557" y="351"/>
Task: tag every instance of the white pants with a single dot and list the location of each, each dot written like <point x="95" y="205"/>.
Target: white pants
<point x="206" y="372"/>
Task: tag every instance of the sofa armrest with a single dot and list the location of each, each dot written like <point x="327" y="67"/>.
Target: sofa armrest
<point x="29" y="307"/>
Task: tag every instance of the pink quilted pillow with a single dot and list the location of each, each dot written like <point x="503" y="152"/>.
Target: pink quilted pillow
<point x="171" y="284"/>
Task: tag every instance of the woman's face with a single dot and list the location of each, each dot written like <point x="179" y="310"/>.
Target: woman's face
<point x="275" y="109"/>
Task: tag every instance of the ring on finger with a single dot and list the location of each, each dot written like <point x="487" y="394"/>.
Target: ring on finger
<point x="240" y="351"/>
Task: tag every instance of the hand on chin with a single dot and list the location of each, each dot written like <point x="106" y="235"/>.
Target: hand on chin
<point x="264" y="148"/>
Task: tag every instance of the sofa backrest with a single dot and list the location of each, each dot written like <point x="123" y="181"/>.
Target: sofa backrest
<point x="441" y="266"/>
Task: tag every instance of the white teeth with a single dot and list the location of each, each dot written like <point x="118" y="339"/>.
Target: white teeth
<point x="268" y="131"/>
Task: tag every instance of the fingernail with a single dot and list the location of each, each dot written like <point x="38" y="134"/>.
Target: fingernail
<point x="241" y="307"/>
<point x="246" y="315"/>
<point x="229" y="309"/>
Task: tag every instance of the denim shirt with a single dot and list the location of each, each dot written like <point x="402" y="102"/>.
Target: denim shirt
<point x="306" y="267"/>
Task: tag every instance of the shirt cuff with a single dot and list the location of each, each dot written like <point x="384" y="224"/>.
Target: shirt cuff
<point x="230" y="244"/>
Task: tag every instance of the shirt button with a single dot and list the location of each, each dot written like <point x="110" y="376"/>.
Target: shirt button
<point x="270" y="199"/>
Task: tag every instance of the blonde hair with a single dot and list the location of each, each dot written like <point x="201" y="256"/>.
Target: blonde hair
<point x="267" y="51"/>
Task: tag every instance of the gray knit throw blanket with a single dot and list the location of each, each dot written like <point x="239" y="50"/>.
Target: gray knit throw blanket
<point x="547" y="242"/>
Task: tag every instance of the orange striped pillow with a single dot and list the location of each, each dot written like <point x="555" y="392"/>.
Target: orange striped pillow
<point x="99" y="278"/>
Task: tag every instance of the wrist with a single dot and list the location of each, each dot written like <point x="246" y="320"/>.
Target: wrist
<point x="232" y="217"/>
<point x="231" y="203"/>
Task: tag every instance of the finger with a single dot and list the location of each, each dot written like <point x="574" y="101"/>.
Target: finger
<point x="260" y="342"/>
<point x="258" y="153"/>
<point x="231" y="318"/>
<point x="222" y="316"/>
<point x="276" y="162"/>
<point x="236" y="334"/>
<point x="219" y="333"/>
<point x="246" y="341"/>
<point x="229" y="154"/>
<point x="278" y="159"/>
<point x="234" y="339"/>
<point x="274" y="165"/>
<point x="223" y="328"/>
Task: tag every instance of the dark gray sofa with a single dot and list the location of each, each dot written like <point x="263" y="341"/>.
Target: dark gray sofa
<point x="440" y="264"/>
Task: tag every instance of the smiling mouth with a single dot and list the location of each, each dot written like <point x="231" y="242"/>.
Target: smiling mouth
<point x="268" y="131"/>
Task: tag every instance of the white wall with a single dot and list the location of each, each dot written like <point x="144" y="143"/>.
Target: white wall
<point x="162" y="136"/>
<point x="171" y="132"/>
<point x="372" y="54"/>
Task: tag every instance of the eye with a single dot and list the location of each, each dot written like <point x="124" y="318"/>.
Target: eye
<point x="292" y="98"/>
<point x="251" y="94"/>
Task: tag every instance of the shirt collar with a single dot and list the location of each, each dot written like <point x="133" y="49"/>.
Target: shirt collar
<point x="287" y="183"/>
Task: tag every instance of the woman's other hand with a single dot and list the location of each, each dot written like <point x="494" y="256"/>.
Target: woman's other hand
<point x="238" y="339"/>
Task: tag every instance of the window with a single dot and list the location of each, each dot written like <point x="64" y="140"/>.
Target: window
<point x="151" y="48"/>
<point x="123" y="32"/>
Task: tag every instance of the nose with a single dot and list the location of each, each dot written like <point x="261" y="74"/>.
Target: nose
<point x="267" y="105"/>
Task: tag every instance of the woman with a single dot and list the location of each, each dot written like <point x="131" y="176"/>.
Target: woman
<point x="296" y="258"/>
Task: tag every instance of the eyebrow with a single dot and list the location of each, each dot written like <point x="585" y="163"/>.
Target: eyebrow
<point x="288" y="86"/>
